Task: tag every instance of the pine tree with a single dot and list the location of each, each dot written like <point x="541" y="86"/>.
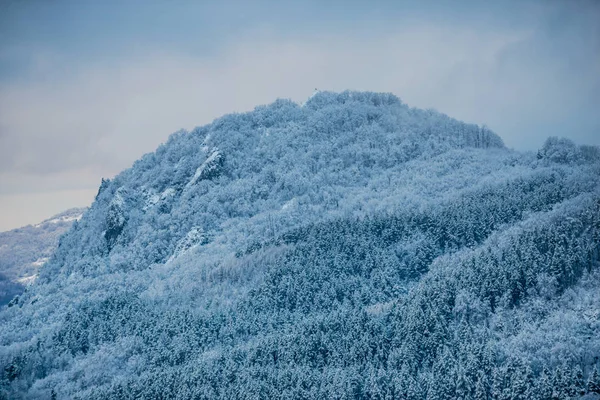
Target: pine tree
<point x="498" y="378"/>
<point x="519" y="381"/>
<point x="481" y="391"/>
<point x="462" y="384"/>
<point x="578" y="382"/>
<point x="569" y="388"/>
<point x="544" y="385"/>
<point x="558" y="384"/>
<point x="593" y="383"/>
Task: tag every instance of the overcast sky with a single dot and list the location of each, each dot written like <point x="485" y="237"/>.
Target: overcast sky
<point x="87" y="87"/>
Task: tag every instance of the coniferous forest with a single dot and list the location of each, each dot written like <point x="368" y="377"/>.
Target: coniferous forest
<point x="350" y="247"/>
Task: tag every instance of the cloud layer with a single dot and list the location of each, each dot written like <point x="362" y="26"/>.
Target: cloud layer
<point x="68" y="124"/>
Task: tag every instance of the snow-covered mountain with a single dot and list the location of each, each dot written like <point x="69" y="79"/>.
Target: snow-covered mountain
<point x="348" y="247"/>
<point x="24" y="250"/>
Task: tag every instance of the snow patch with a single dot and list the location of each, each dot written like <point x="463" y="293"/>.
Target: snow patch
<point x="379" y="308"/>
<point x="193" y="238"/>
<point x="27" y="280"/>
<point x="205" y="147"/>
<point x="118" y="200"/>
<point x="40" y="261"/>
<point x="167" y="193"/>
<point x="151" y="198"/>
<point x="209" y="166"/>
<point x="290" y="204"/>
<point x="65" y="218"/>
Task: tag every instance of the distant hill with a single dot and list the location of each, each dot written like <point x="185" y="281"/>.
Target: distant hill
<point x="351" y="247"/>
<point x="24" y="250"/>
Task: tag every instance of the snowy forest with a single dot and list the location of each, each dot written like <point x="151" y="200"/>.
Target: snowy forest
<point x="350" y="247"/>
<point x="24" y="250"/>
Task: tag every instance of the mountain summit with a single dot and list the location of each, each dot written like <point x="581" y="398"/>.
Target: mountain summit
<point x="349" y="247"/>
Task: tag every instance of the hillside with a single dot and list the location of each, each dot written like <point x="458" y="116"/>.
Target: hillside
<point x="24" y="250"/>
<point x="349" y="247"/>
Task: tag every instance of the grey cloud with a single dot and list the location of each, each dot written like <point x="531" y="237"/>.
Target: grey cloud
<point x="101" y="118"/>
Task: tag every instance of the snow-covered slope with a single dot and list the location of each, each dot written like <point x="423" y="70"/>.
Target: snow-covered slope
<point x="351" y="247"/>
<point x="24" y="250"/>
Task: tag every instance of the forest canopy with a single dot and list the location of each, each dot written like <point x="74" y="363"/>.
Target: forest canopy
<point x="349" y="247"/>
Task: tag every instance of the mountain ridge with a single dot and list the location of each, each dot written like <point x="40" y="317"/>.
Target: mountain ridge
<point x="24" y="250"/>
